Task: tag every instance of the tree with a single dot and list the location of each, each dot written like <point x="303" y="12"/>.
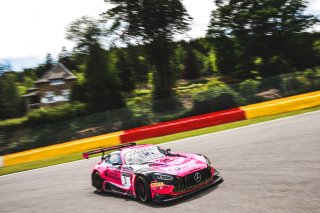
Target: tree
<point x="2" y="69"/>
<point x="103" y="87"/>
<point x="125" y="72"/>
<point x="138" y="63"/>
<point x="264" y="29"/>
<point x="65" y="58"/>
<point x="42" y="68"/>
<point x="85" y="32"/>
<point x="225" y="53"/>
<point x="153" y="22"/>
<point x="5" y="67"/>
<point x="102" y="90"/>
<point x="191" y="68"/>
<point x="49" y="61"/>
<point x="11" y="104"/>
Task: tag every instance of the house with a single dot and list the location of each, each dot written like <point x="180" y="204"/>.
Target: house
<point x="52" y="88"/>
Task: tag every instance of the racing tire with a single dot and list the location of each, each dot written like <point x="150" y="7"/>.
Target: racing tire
<point x="143" y="192"/>
<point x="97" y="182"/>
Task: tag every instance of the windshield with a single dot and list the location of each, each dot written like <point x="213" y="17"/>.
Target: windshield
<point x="142" y="155"/>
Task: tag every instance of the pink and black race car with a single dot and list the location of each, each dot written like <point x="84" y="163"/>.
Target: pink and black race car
<point x="150" y="173"/>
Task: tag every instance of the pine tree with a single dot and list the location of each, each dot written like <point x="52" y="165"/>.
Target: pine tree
<point x="102" y="86"/>
<point x="10" y="100"/>
<point x="191" y="68"/>
<point x="125" y="72"/>
<point x="65" y="58"/>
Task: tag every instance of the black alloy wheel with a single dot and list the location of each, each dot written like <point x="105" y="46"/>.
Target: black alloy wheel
<point x="143" y="189"/>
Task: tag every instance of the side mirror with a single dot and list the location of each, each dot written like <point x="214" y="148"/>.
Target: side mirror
<point x="168" y="150"/>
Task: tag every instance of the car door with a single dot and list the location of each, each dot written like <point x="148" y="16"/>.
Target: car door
<point x="113" y="164"/>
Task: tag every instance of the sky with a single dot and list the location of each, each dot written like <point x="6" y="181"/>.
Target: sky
<point x="30" y="29"/>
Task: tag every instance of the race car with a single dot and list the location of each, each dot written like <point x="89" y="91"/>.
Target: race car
<point x="150" y="173"/>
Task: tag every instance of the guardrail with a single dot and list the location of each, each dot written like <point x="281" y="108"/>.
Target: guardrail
<point x="155" y="130"/>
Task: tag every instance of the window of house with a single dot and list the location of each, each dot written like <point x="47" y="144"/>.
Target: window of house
<point x="49" y="96"/>
<point x="56" y="81"/>
<point x="66" y="94"/>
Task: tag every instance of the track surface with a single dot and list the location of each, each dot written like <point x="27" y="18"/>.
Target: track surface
<point x="269" y="167"/>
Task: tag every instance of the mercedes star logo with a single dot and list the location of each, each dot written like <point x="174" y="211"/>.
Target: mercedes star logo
<point x="197" y="177"/>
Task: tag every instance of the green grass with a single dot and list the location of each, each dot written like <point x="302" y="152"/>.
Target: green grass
<point x="14" y="121"/>
<point x="78" y="156"/>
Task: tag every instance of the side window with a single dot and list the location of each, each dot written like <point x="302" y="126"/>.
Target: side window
<point x="114" y="159"/>
<point x="107" y="158"/>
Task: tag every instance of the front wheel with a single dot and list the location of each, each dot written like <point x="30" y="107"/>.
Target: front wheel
<point x="143" y="190"/>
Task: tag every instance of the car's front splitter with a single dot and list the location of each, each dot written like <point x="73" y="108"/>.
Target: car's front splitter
<point x="217" y="179"/>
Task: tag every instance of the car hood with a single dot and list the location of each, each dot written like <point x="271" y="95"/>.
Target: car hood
<point x="174" y="165"/>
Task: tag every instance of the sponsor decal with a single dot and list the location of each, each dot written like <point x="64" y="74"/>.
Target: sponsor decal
<point x="146" y="169"/>
<point x="157" y="184"/>
<point x="127" y="168"/>
<point x="166" y="160"/>
<point x="114" y="176"/>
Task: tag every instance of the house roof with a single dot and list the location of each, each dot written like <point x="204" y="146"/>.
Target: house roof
<point x="34" y="93"/>
<point x="58" y="71"/>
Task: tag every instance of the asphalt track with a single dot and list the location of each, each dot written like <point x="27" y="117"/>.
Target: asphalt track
<point x="268" y="167"/>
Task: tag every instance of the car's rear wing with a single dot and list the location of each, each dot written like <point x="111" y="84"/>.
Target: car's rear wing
<point x="103" y="150"/>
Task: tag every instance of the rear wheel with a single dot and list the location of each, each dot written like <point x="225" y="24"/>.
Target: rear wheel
<point x="143" y="189"/>
<point x="97" y="181"/>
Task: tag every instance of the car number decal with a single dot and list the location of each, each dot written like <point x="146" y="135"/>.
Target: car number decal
<point x="125" y="179"/>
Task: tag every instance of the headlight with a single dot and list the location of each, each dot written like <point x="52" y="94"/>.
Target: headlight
<point x="207" y="160"/>
<point x="163" y="177"/>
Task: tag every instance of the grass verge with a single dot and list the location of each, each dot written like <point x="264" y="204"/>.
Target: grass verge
<point x="182" y="135"/>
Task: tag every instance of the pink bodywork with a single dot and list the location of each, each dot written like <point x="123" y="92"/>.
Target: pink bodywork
<point x="177" y="166"/>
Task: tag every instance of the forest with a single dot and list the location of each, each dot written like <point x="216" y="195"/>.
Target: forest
<point x="132" y="71"/>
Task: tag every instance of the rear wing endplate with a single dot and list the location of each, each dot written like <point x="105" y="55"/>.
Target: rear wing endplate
<point x="103" y="150"/>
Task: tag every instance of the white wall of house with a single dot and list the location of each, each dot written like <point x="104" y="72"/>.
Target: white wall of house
<point x="50" y="97"/>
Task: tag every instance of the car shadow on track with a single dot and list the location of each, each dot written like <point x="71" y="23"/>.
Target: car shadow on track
<point x="181" y="200"/>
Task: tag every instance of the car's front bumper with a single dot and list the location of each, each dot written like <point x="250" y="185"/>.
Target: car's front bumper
<point x="217" y="178"/>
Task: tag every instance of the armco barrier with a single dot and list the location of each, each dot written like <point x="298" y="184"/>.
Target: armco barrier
<point x="181" y="125"/>
<point x="282" y="105"/>
<point x="62" y="149"/>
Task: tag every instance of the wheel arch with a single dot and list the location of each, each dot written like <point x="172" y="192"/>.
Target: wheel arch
<point x="94" y="172"/>
<point x="137" y="177"/>
<point x="146" y="175"/>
